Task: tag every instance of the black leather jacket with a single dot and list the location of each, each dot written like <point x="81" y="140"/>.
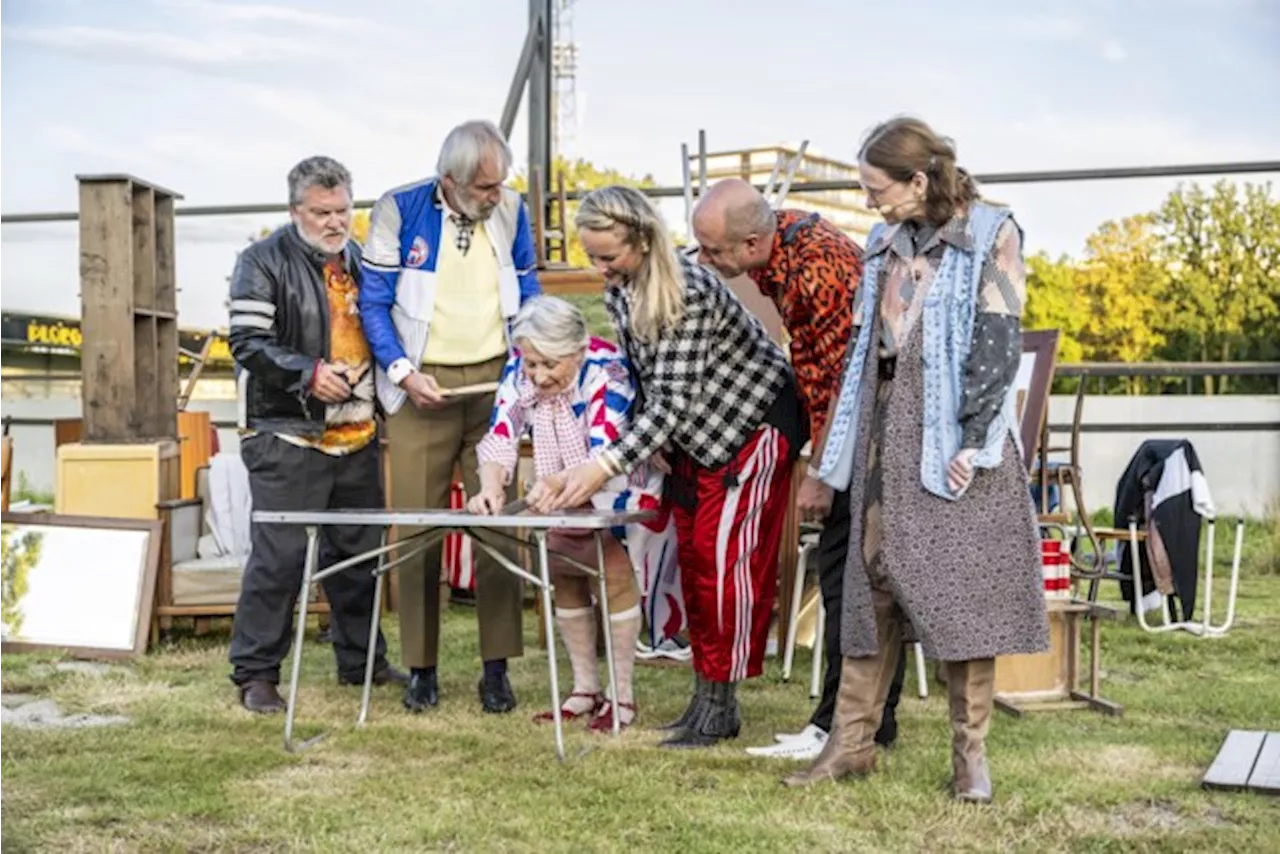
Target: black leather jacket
<point x="280" y="329"/>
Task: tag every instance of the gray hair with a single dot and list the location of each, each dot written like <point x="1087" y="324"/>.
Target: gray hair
<point x="318" y="171"/>
<point x="555" y="327"/>
<point x="466" y="145"/>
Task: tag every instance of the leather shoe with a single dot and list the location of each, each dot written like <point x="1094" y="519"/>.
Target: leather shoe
<point x="422" y="691"/>
<point x="262" y="697"/>
<point x="496" y="695"/>
<point x="386" y="676"/>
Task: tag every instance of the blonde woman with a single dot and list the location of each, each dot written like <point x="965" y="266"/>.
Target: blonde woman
<point x="718" y="397"/>
<point x="575" y="394"/>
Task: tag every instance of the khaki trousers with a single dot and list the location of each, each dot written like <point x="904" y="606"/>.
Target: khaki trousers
<point x="425" y="446"/>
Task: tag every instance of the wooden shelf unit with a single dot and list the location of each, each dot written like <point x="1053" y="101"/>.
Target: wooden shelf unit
<point x="129" y="309"/>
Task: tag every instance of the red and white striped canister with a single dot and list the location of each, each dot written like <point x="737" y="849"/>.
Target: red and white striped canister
<point x="1055" y="561"/>
<point x="459" y="562"/>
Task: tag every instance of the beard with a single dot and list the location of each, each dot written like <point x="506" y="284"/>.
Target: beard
<point x="318" y="241"/>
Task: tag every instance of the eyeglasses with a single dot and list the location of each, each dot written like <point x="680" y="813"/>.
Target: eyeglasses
<point x="874" y="193"/>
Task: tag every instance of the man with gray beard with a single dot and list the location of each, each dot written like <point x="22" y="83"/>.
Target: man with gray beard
<point x="305" y="379"/>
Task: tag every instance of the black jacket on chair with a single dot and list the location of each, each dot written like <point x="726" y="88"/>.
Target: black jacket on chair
<point x="1168" y="471"/>
<point x="280" y="329"/>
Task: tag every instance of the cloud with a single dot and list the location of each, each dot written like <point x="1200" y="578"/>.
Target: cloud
<point x="1061" y="28"/>
<point x="1113" y="51"/>
<point x="265" y="13"/>
<point x="133" y="46"/>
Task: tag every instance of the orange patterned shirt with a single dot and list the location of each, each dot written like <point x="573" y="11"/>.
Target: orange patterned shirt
<point x="812" y="275"/>
<point x="349" y="426"/>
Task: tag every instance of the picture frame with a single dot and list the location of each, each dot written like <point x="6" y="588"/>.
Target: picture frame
<point x="1034" y="378"/>
<point x="81" y="585"/>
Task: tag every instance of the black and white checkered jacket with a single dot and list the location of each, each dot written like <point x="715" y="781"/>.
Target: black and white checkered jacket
<point x="708" y="383"/>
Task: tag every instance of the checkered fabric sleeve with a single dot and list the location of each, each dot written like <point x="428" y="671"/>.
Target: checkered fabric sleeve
<point x="707" y="384"/>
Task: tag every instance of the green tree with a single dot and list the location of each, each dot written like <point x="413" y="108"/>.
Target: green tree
<point x="1222" y="252"/>
<point x="1053" y="303"/>
<point x="580" y="175"/>
<point x="1121" y="286"/>
<point x="18" y="554"/>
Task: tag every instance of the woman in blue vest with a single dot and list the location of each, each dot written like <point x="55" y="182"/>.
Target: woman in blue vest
<point x="944" y="546"/>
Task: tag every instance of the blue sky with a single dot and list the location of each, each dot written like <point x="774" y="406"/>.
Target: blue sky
<point x="217" y="100"/>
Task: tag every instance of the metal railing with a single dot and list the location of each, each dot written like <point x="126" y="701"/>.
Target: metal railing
<point x="1032" y="177"/>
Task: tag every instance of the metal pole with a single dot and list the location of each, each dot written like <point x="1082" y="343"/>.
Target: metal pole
<point x="548" y="625"/>
<point x="540" y="104"/>
<point x="608" y="636"/>
<point x="308" y="569"/>
<point x="1120" y="173"/>
<point x="514" y="94"/>
<point x="688" y="190"/>
<point x="702" y="163"/>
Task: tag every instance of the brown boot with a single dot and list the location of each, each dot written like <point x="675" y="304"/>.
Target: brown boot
<point x="864" y="686"/>
<point x="970" y="689"/>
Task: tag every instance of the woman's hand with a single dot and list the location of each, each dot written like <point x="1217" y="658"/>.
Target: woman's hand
<point x="543" y="493"/>
<point x="572" y="488"/>
<point x="960" y="469"/>
<point x="658" y="462"/>
<point x="487" y="502"/>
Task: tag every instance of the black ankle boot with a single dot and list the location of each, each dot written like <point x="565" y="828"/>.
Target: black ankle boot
<point x="719" y="719"/>
<point x="693" y="710"/>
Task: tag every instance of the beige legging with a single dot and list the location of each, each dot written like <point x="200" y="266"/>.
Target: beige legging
<point x="573" y="586"/>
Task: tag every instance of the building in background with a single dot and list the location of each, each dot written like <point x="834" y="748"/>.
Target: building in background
<point x="846" y="209"/>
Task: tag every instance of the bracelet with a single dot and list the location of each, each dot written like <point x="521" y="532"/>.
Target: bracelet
<point x="609" y="464"/>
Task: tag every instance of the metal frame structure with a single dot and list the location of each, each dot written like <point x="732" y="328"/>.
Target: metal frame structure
<point x="437" y="524"/>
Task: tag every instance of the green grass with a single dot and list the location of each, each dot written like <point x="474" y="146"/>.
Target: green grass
<point x="195" y="773"/>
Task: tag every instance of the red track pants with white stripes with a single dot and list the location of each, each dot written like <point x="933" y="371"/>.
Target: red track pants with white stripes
<point x="728" y="547"/>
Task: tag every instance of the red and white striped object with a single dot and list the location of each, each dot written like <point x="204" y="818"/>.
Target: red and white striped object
<point x="459" y="562"/>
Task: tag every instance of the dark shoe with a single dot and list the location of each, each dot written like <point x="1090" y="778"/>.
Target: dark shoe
<point x="693" y="710"/>
<point x="496" y="695"/>
<point x="421" y="691"/>
<point x="386" y="676"/>
<point x="261" y="697"/>
<point x="888" y="732"/>
<point x="718" y="721"/>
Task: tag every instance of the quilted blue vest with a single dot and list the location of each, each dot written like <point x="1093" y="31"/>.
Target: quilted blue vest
<point x="946" y="322"/>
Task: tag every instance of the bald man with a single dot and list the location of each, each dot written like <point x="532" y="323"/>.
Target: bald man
<point x="810" y="269"/>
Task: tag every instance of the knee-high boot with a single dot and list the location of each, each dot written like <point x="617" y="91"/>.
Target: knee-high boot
<point x="970" y="692"/>
<point x="864" y="686"/>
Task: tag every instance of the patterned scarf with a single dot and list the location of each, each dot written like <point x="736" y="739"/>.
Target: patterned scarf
<point x="559" y="437"/>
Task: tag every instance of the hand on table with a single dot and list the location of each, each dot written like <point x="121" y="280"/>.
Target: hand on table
<point x="487" y="503"/>
<point x="572" y="488"/>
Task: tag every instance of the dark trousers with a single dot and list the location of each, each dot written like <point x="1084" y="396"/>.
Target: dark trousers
<point x="833" y="546"/>
<point x="283" y="476"/>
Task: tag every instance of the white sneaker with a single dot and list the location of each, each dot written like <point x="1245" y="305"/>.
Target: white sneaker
<point x="809" y="733"/>
<point x="799" y="748"/>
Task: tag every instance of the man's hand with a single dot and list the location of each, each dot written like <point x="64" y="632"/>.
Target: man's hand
<point x="423" y="390"/>
<point x="960" y="469"/>
<point x="487" y="503"/>
<point x="328" y="385"/>
<point x="813" y="502"/>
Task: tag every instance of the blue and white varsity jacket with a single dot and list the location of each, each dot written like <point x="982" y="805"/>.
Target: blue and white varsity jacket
<point x="398" y="293"/>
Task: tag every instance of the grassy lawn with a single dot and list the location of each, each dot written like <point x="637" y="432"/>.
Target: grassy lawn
<point x="193" y="772"/>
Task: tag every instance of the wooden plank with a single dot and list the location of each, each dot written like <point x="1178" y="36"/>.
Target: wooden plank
<point x="196" y="448"/>
<point x="146" y="373"/>
<point x="1235" y="761"/>
<point x="166" y="276"/>
<point x="168" y="385"/>
<point x="144" y="247"/>
<point x="106" y="294"/>
<point x="1266" y="771"/>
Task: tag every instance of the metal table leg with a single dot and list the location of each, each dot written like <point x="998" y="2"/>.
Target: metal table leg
<point x="374" y="622"/>
<point x="545" y="573"/>
<point x="308" y="569"/>
<point x="608" y="635"/>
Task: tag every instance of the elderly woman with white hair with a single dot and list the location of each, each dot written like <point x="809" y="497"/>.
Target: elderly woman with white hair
<point x="574" y="392"/>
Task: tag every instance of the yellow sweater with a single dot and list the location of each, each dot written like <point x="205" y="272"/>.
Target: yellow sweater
<point x="466" y="322"/>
